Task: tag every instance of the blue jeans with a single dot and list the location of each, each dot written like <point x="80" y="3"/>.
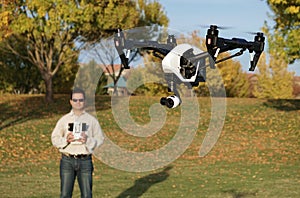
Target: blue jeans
<point x="70" y="168"/>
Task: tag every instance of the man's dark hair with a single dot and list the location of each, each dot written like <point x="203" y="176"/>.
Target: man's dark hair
<point x="77" y="90"/>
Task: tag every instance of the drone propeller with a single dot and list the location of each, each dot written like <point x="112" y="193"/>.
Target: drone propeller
<point x="151" y="33"/>
<point x="128" y="31"/>
<point x="253" y="33"/>
<point x="216" y="27"/>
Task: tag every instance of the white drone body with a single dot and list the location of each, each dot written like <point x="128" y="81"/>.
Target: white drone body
<point x="183" y="64"/>
<point x="171" y="62"/>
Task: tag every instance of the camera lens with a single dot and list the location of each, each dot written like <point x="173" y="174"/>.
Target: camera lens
<point x="163" y="101"/>
<point x="170" y="103"/>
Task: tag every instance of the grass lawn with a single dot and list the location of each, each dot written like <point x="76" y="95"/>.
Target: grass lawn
<point x="257" y="154"/>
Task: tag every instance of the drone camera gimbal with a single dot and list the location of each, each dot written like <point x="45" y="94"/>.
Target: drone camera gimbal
<point x="186" y="64"/>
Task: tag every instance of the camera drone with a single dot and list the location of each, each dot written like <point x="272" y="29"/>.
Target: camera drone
<point x="184" y="64"/>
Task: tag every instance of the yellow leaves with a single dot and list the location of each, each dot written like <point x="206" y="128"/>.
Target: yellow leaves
<point x="293" y="9"/>
<point x="286" y="16"/>
<point x="278" y="1"/>
<point x="273" y="79"/>
<point x="4" y="18"/>
<point x="4" y="25"/>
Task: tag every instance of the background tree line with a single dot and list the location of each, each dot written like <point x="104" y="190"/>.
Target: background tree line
<point x="40" y="42"/>
<point x="50" y="34"/>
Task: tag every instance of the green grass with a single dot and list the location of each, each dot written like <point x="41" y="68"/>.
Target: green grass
<point x="257" y="154"/>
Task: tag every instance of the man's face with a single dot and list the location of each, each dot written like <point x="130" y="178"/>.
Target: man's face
<point x="77" y="101"/>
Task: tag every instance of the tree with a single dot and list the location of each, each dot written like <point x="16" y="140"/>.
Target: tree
<point x="17" y="75"/>
<point x="273" y="79"/>
<point x="287" y="26"/>
<point x="88" y="78"/>
<point x="52" y="30"/>
<point x="63" y="81"/>
<point x="42" y="27"/>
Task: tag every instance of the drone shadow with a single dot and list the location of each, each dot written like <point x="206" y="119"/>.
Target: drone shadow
<point x="143" y="184"/>
<point x="235" y="194"/>
<point x="283" y="104"/>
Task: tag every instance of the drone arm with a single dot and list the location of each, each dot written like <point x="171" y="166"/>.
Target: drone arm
<point x="223" y="45"/>
<point x="121" y="44"/>
<point x="234" y="43"/>
<point x="163" y="49"/>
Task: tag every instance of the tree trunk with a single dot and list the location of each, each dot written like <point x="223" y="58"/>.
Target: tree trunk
<point x="115" y="89"/>
<point x="49" y="89"/>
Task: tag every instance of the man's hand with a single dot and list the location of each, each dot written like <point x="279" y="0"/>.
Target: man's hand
<point x="70" y="137"/>
<point x="83" y="137"/>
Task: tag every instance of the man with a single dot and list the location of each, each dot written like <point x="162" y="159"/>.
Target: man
<point x="76" y="135"/>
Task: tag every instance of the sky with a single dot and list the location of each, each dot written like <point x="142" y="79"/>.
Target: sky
<point x="241" y="16"/>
